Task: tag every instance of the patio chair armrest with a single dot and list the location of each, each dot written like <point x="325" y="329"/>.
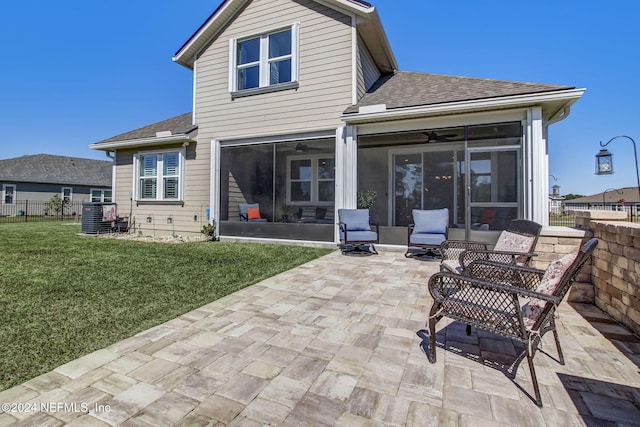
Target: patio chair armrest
<point x="445" y="284"/>
<point x="451" y="249"/>
<point x="514" y="275"/>
<point x="506" y="257"/>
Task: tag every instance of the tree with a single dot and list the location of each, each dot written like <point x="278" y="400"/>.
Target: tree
<point x="56" y="204"/>
<point x="573" y="196"/>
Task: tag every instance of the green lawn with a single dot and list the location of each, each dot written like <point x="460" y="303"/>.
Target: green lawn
<point x="63" y="295"/>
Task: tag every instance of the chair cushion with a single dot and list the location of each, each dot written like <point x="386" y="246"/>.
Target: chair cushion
<point x="532" y="307"/>
<point x="513" y="242"/>
<point x="253" y="213"/>
<point x="452" y="265"/>
<point x="360" y="236"/>
<point x="355" y="219"/>
<point x="426" y="239"/>
<point x="431" y="221"/>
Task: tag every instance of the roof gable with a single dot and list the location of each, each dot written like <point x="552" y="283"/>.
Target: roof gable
<point x="47" y="168"/>
<point x="368" y="24"/>
<point x="410" y="89"/>
<point x="179" y="125"/>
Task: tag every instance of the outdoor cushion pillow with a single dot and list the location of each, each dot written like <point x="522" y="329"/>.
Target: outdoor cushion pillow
<point x="356" y="219"/>
<point x="513" y="242"/>
<point x="431" y="221"/>
<point x="532" y="307"/>
<point x="253" y="213"/>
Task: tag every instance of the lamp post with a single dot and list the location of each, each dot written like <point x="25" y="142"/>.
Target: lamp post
<point x="604" y="163"/>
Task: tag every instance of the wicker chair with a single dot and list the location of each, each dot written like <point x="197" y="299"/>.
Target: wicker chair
<point x="509" y="300"/>
<point x="514" y="246"/>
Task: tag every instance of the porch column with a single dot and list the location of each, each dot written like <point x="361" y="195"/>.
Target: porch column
<point x="538" y="201"/>
<point x="346" y="167"/>
<point x="346" y="170"/>
<point x="214" y="186"/>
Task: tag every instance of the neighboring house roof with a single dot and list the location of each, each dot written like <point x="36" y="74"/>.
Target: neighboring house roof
<point x="410" y="89"/>
<point x="629" y="194"/>
<point x="368" y="24"/>
<point x="169" y="131"/>
<point x="50" y="169"/>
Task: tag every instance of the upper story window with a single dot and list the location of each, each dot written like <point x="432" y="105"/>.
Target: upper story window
<point x="159" y="176"/>
<point x="8" y="194"/>
<point x="265" y="61"/>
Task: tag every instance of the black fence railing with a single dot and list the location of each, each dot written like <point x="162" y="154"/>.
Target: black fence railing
<point x="561" y="214"/>
<point x="32" y="211"/>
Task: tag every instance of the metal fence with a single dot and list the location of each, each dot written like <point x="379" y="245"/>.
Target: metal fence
<point x="33" y="211"/>
<point x="560" y="214"/>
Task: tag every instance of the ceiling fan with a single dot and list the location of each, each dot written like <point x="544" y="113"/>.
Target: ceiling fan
<point x="434" y="137"/>
<point x="303" y="148"/>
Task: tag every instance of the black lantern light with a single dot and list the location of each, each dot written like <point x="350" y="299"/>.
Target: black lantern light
<point x="604" y="163"/>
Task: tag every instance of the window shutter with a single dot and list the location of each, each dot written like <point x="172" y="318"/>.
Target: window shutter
<point x="295" y="42"/>
<point x="171" y="164"/>
<point x="232" y="65"/>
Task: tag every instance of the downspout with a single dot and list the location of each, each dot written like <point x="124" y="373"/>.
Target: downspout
<point x="112" y="156"/>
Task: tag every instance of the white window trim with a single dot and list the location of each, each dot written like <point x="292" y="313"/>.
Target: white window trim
<point x="102" y="195"/>
<point x="264" y="62"/>
<point x="160" y="184"/>
<point x="4" y="193"/>
<point x="70" y="193"/>
<point x="314" y="180"/>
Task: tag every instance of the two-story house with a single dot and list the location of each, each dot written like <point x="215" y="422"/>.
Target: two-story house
<point x="299" y="106"/>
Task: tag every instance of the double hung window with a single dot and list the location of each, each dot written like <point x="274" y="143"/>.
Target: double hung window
<point x="159" y="176"/>
<point x="311" y="179"/>
<point x="8" y="194"/>
<point x="101" y="196"/>
<point x="67" y="194"/>
<point x="264" y="60"/>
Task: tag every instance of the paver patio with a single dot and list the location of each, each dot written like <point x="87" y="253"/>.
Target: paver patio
<point x="337" y="341"/>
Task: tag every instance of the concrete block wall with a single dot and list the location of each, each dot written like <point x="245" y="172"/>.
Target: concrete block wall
<point x="615" y="270"/>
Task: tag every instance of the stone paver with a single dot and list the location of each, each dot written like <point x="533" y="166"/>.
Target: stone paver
<point x="338" y="341"/>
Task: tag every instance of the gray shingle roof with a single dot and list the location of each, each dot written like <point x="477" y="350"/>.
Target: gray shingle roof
<point x="629" y="194"/>
<point x="409" y="89"/>
<point x="47" y="168"/>
<point x="182" y="124"/>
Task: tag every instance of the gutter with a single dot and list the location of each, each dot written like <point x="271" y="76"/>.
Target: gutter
<point x="142" y="142"/>
<point x="382" y="114"/>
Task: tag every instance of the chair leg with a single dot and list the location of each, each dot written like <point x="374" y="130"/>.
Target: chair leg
<point x="560" y="355"/>
<point x="433" y="319"/>
<point x="534" y="379"/>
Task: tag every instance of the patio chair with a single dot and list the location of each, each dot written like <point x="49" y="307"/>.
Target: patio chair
<point x="250" y="212"/>
<point x="514" y="246"/>
<point x="428" y="231"/>
<point x="512" y="301"/>
<point x="356" y="234"/>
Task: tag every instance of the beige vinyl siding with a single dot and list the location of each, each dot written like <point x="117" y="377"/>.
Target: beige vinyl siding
<point x="367" y="71"/>
<point x="324" y="74"/>
<point x="196" y="193"/>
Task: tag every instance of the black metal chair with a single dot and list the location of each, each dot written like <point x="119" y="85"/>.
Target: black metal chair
<point x="509" y="300"/>
<point x="428" y="231"/>
<point x="356" y="234"/>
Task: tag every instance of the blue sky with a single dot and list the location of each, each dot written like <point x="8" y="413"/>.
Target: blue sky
<point x="75" y="72"/>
